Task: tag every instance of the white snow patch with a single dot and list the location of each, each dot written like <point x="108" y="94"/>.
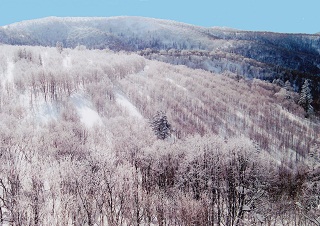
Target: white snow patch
<point x="67" y="62"/>
<point x="240" y="115"/>
<point x="10" y="71"/>
<point x="44" y="111"/>
<point x="177" y="85"/>
<point x="87" y="115"/>
<point x="125" y="103"/>
<point x="45" y="58"/>
<point x="291" y="116"/>
<point x="8" y="76"/>
<point x="38" y="109"/>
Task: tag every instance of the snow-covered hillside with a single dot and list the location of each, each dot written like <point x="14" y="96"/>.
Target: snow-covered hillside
<point x="103" y="84"/>
<point x="137" y="33"/>
<point x="263" y="55"/>
<point x="77" y="147"/>
<point x="105" y="32"/>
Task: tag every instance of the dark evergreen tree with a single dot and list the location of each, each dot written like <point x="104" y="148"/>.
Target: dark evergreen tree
<point x="160" y="125"/>
<point x="305" y="99"/>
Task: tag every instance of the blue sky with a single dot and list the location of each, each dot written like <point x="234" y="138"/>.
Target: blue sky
<point x="293" y="16"/>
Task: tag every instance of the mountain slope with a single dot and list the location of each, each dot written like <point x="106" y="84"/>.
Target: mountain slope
<point x="106" y="85"/>
<point x="76" y="144"/>
<point x="293" y="51"/>
<point x="73" y="31"/>
<point x="264" y="55"/>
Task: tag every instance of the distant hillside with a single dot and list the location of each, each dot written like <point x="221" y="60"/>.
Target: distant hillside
<point x="264" y="55"/>
<point x="294" y="51"/>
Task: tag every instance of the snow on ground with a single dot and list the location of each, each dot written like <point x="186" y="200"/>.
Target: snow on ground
<point x="87" y="115"/>
<point x="289" y="115"/>
<point x="46" y="111"/>
<point x="41" y="110"/>
<point x="90" y="62"/>
<point x="67" y="62"/>
<point x="239" y="114"/>
<point x="125" y="103"/>
<point x="45" y="58"/>
<point x="10" y="71"/>
<point x="177" y="85"/>
<point x="8" y="76"/>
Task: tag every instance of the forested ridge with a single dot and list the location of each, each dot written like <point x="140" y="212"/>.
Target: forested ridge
<point x="264" y="55"/>
<point x="96" y="137"/>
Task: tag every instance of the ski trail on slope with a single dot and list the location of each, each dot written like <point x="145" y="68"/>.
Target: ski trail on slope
<point x="38" y="109"/>
<point x="87" y="115"/>
<point x="177" y="85"/>
<point x="125" y="103"/>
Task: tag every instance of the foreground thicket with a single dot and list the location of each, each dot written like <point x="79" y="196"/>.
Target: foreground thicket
<point x="197" y="181"/>
<point x="241" y="152"/>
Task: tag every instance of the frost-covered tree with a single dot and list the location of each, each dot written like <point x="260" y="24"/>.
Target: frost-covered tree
<point x="305" y="99"/>
<point x="288" y="88"/>
<point x="59" y="46"/>
<point x="160" y="125"/>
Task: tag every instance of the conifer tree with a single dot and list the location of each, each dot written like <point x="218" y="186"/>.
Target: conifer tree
<point x="160" y="125"/>
<point x="305" y="99"/>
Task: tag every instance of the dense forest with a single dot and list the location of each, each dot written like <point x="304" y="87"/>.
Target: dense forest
<point x="96" y="137"/>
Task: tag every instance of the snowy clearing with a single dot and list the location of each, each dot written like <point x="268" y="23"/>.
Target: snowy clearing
<point x="87" y="115"/>
<point x="45" y="111"/>
<point x="38" y="109"/>
<point x="125" y="103"/>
